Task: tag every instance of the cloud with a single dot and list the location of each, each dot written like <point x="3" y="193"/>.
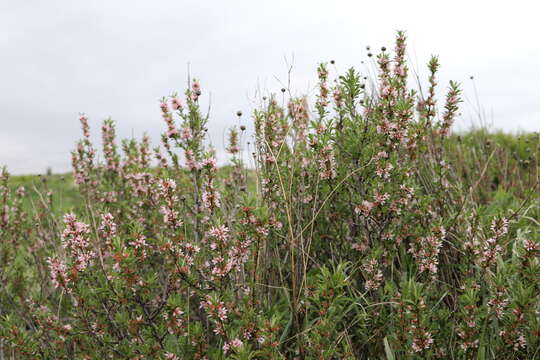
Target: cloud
<point x="117" y="58"/>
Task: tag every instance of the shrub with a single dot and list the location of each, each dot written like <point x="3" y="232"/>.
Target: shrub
<point x="366" y="230"/>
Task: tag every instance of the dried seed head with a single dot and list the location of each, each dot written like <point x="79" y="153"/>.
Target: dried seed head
<point x="383" y="49"/>
<point x="242" y="127"/>
<point x="239" y="113"/>
<point x="332" y="62"/>
<point x="283" y="90"/>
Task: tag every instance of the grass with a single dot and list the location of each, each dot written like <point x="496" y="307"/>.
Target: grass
<point x="519" y="153"/>
<point x="66" y="196"/>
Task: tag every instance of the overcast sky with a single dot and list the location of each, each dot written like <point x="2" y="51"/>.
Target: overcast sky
<point x="117" y="58"/>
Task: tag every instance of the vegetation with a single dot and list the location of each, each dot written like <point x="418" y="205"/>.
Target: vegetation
<point x="366" y="230"/>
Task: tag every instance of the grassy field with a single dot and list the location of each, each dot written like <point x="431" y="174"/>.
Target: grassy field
<point x="66" y="196"/>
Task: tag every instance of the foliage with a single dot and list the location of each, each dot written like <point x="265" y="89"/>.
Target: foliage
<point x="366" y="230"/>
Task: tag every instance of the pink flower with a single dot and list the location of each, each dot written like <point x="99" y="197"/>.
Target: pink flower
<point x="59" y="275"/>
<point x="186" y="134"/>
<point x="380" y="199"/>
<point x="108" y="226"/>
<point x="172" y="132"/>
<point x="236" y="343"/>
<point x="75" y="238"/>
<point x="530" y="245"/>
<point x="211" y="199"/>
<point x="422" y="341"/>
<point x="210" y="163"/>
<point x="327" y="163"/>
<point x="191" y="163"/>
<point x="364" y="208"/>
<point x="167" y="184"/>
<point x="373" y="274"/>
<point x="381" y="155"/>
<point x="171" y="217"/>
<point x="176" y="104"/>
<point x="221" y="233"/>
<point x="426" y="251"/>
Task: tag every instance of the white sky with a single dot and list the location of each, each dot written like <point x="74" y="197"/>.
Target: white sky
<point x="117" y="58"/>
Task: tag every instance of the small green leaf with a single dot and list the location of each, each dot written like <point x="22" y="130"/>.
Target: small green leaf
<point x="388" y="350"/>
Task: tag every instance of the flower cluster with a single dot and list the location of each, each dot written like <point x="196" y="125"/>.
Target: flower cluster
<point x="171" y="216"/>
<point x="373" y="274"/>
<point x="491" y="248"/>
<point x="426" y="251"/>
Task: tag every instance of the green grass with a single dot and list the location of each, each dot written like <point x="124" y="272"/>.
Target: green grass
<point x="519" y="152"/>
<point x="64" y="191"/>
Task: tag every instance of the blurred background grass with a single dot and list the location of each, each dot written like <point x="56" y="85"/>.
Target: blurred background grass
<point x="513" y="169"/>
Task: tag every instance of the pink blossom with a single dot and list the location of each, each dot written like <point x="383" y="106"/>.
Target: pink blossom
<point x="186" y="133"/>
<point x="422" y="341"/>
<point x="530" y="245"/>
<point x="364" y="208"/>
<point x="327" y="164"/>
<point x="373" y="274"/>
<point x="211" y="199"/>
<point x="176" y="104"/>
<point x="59" y="275"/>
<point x="221" y="233"/>
<point x="191" y="163"/>
<point x="210" y="163"/>
<point x="235" y="343"/>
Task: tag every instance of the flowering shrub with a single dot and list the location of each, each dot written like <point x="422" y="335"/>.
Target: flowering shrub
<point x="367" y="230"/>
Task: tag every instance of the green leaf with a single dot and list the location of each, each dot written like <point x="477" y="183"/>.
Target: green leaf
<point x="388" y="350"/>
